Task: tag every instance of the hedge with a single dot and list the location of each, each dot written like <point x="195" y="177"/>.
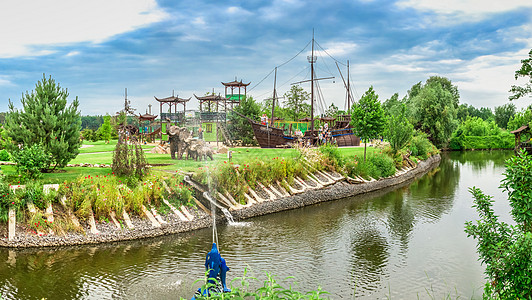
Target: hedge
<point x="502" y="141"/>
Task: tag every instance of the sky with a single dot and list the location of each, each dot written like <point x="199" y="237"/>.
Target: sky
<point x="96" y="49"/>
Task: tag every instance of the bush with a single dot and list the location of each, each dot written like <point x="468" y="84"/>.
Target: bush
<point x="376" y="166"/>
<point x="505" y="140"/>
<point x="421" y="147"/>
<point x="31" y="161"/>
<point x="333" y="155"/>
<point x="4" y="155"/>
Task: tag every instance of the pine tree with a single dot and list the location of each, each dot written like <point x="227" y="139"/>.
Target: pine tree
<point x="46" y="120"/>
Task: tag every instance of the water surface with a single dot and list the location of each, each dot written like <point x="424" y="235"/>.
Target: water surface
<point x="400" y="243"/>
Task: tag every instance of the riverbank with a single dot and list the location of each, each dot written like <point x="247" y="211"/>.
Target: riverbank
<point x="143" y="228"/>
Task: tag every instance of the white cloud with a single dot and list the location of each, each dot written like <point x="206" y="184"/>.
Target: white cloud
<point x="235" y="10"/>
<point x="468" y="7"/>
<point x="32" y="29"/>
<point x="4" y="81"/>
<point x="73" y="53"/>
<point x="339" y="48"/>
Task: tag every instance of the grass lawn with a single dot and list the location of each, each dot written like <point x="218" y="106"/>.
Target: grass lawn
<point x="102" y="146"/>
<point x="101" y="153"/>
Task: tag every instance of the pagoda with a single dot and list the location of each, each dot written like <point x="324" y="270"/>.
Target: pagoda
<point x="233" y="99"/>
<point x="175" y="117"/>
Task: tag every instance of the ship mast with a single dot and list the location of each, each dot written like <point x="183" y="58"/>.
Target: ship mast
<point x="312" y="60"/>
<point x="274" y="93"/>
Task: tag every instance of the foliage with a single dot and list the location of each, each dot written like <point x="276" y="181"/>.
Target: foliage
<point x="505" y="140"/>
<point x="296" y="102"/>
<point x="464" y="111"/>
<point x="524" y="72"/>
<point x="376" y="166"/>
<point x="398" y="129"/>
<point x="45" y="119"/>
<point x="4" y="155"/>
<point x="91" y="122"/>
<point x="475" y="133"/>
<point x="432" y="109"/>
<point x="334" y="159"/>
<point x="506" y="250"/>
<point x="421" y="147"/>
<point x="129" y="160"/>
<point x="392" y="106"/>
<point x="503" y="114"/>
<point x="520" y="118"/>
<point x="238" y="126"/>
<point x="367" y="117"/>
<point x="105" y="128"/>
<point x="271" y="289"/>
<point x="31" y="161"/>
<point x="332" y="111"/>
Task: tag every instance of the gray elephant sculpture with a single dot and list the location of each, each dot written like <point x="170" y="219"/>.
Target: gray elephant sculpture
<point x="198" y="150"/>
<point x="177" y="137"/>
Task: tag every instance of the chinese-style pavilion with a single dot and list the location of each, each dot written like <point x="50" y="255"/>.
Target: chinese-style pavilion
<point x="172" y="101"/>
<point x="232" y="98"/>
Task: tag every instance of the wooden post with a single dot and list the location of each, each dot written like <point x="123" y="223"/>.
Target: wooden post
<point x="12" y="224"/>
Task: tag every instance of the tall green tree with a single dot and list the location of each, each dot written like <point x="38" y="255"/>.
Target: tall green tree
<point x="367" y="117"/>
<point x="433" y="109"/>
<point x="238" y="126"/>
<point x="524" y="72"/>
<point x="503" y="114"/>
<point x="296" y="101"/>
<point x="505" y="249"/>
<point x="46" y="120"/>
<point x="398" y="129"/>
<point x="105" y="129"/>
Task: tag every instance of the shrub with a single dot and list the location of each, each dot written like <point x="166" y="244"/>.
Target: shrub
<point x="421" y="147"/>
<point x="31" y="161"/>
<point x="4" y="155"/>
<point x="333" y="157"/>
<point x="376" y="166"/>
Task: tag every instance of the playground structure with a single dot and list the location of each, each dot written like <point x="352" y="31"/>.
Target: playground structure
<point x="208" y="124"/>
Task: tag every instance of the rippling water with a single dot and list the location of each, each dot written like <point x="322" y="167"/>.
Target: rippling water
<point x="402" y="243"/>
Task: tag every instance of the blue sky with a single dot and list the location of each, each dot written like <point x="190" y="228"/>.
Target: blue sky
<point x="98" y="48"/>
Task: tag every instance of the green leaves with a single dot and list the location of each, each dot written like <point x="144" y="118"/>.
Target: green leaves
<point x="367" y="116"/>
<point x="46" y="120"/>
<point x="507" y="250"/>
<point x="524" y="71"/>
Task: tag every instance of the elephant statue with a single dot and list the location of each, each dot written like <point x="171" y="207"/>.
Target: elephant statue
<point x="198" y="150"/>
<point x="177" y="137"/>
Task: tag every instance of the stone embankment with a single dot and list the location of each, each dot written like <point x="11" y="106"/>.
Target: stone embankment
<point x="318" y="188"/>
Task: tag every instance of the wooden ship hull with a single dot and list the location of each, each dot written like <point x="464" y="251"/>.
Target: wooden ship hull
<point x="273" y="137"/>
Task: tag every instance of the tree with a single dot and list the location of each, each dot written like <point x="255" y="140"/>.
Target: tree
<point x="398" y="130"/>
<point x="332" y="111"/>
<point x="46" y="120"/>
<point x="239" y="126"/>
<point x="296" y="102"/>
<point x="503" y="114"/>
<point x="367" y="117"/>
<point x="506" y="250"/>
<point x="525" y="71"/>
<point x="392" y="106"/>
<point x="105" y="128"/>
<point x="433" y="109"/>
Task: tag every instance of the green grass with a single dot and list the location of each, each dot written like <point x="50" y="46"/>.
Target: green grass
<point x="101" y="153"/>
<point x="102" y="146"/>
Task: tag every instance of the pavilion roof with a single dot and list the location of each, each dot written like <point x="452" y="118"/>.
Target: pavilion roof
<point x="236" y="83"/>
<point x="172" y="99"/>
<point x="210" y="98"/>
<point x="147" y="117"/>
<point x="520" y="129"/>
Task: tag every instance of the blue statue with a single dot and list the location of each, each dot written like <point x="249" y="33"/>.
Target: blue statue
<point x="217" y="268"/>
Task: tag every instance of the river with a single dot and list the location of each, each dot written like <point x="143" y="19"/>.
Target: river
<point x="401" y="243"/>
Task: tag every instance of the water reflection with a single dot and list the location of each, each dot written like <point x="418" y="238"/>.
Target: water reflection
<point x="395" y="242"/>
